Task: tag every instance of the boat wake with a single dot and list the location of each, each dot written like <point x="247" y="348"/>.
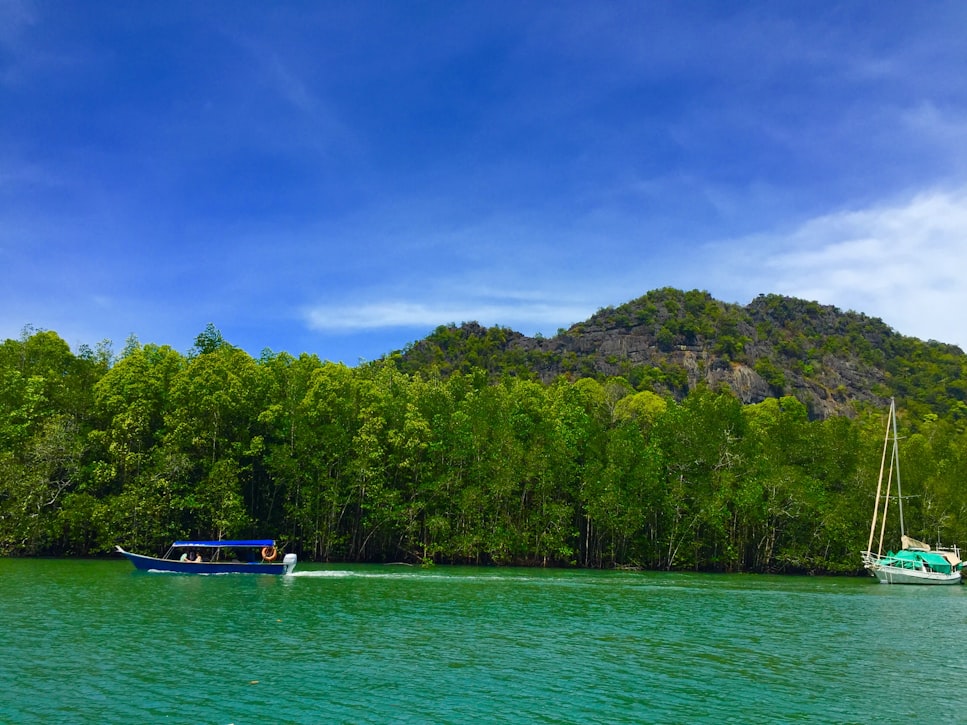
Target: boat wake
<point x="409" y="574"/>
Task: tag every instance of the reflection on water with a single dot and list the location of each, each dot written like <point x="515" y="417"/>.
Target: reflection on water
<point x="88" y="641"/>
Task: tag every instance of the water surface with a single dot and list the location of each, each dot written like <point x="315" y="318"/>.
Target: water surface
<point x="95" y="641"/>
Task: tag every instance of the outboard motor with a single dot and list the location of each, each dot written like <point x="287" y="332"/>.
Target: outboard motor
<point x="289" y="561"/>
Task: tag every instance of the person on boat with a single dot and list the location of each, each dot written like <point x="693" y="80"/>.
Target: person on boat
<point x="197" y="559"/>
<point x="184" y="556"/>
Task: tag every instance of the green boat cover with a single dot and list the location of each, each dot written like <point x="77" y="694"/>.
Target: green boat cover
<point x="910" y="559"/>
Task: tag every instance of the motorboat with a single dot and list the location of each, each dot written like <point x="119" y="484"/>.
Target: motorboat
<point x="225" y="556"/>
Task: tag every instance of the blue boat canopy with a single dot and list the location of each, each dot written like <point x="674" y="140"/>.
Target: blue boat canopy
<point x="256" y="543"/>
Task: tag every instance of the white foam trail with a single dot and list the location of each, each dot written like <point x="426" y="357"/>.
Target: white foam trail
<point x="412" y="575"/>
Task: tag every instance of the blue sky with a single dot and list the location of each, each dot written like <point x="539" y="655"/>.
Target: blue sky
<point x="340" y="178"/>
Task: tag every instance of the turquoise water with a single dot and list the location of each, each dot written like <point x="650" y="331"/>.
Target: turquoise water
<point x="95" y="641"/>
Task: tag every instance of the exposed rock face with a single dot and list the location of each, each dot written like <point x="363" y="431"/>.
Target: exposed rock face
<point x="835" y="385"/>
<point x="746" y="382"/>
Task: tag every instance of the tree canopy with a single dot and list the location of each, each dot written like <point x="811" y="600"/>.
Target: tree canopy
<point x="377" y="464"/>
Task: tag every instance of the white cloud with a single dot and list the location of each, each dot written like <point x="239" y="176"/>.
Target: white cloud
<point x="400" y="313"/>
<point x="904" y="263"/>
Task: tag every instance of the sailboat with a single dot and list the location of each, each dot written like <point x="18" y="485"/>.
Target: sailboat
<point x="915" y="562"/>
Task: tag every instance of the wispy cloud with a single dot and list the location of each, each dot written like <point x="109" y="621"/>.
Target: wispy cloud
<point x="945" y="129"/>
<point x="409" y="314"/>
<point x="902" y="262"/>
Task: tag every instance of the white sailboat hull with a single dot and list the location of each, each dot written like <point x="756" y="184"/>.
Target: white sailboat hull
<point x="896" y="575"/>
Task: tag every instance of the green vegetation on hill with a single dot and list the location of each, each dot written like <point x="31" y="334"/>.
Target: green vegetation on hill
<point x="671" y="342"/>
<point x="672" y="432"/>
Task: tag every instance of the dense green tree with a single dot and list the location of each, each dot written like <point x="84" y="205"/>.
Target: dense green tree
<point x="466" y="464"/>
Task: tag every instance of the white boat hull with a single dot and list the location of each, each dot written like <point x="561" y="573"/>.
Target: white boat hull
<point x="897" y="575"/>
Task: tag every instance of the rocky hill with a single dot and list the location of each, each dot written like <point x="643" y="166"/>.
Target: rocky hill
<point x="670" y="341"/>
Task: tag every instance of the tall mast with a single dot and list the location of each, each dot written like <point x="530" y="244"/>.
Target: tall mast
<point x="879" y="485"/>
<point x="896" y="464"/>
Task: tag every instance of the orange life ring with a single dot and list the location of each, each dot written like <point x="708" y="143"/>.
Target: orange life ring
<point x="269" y="553"/>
